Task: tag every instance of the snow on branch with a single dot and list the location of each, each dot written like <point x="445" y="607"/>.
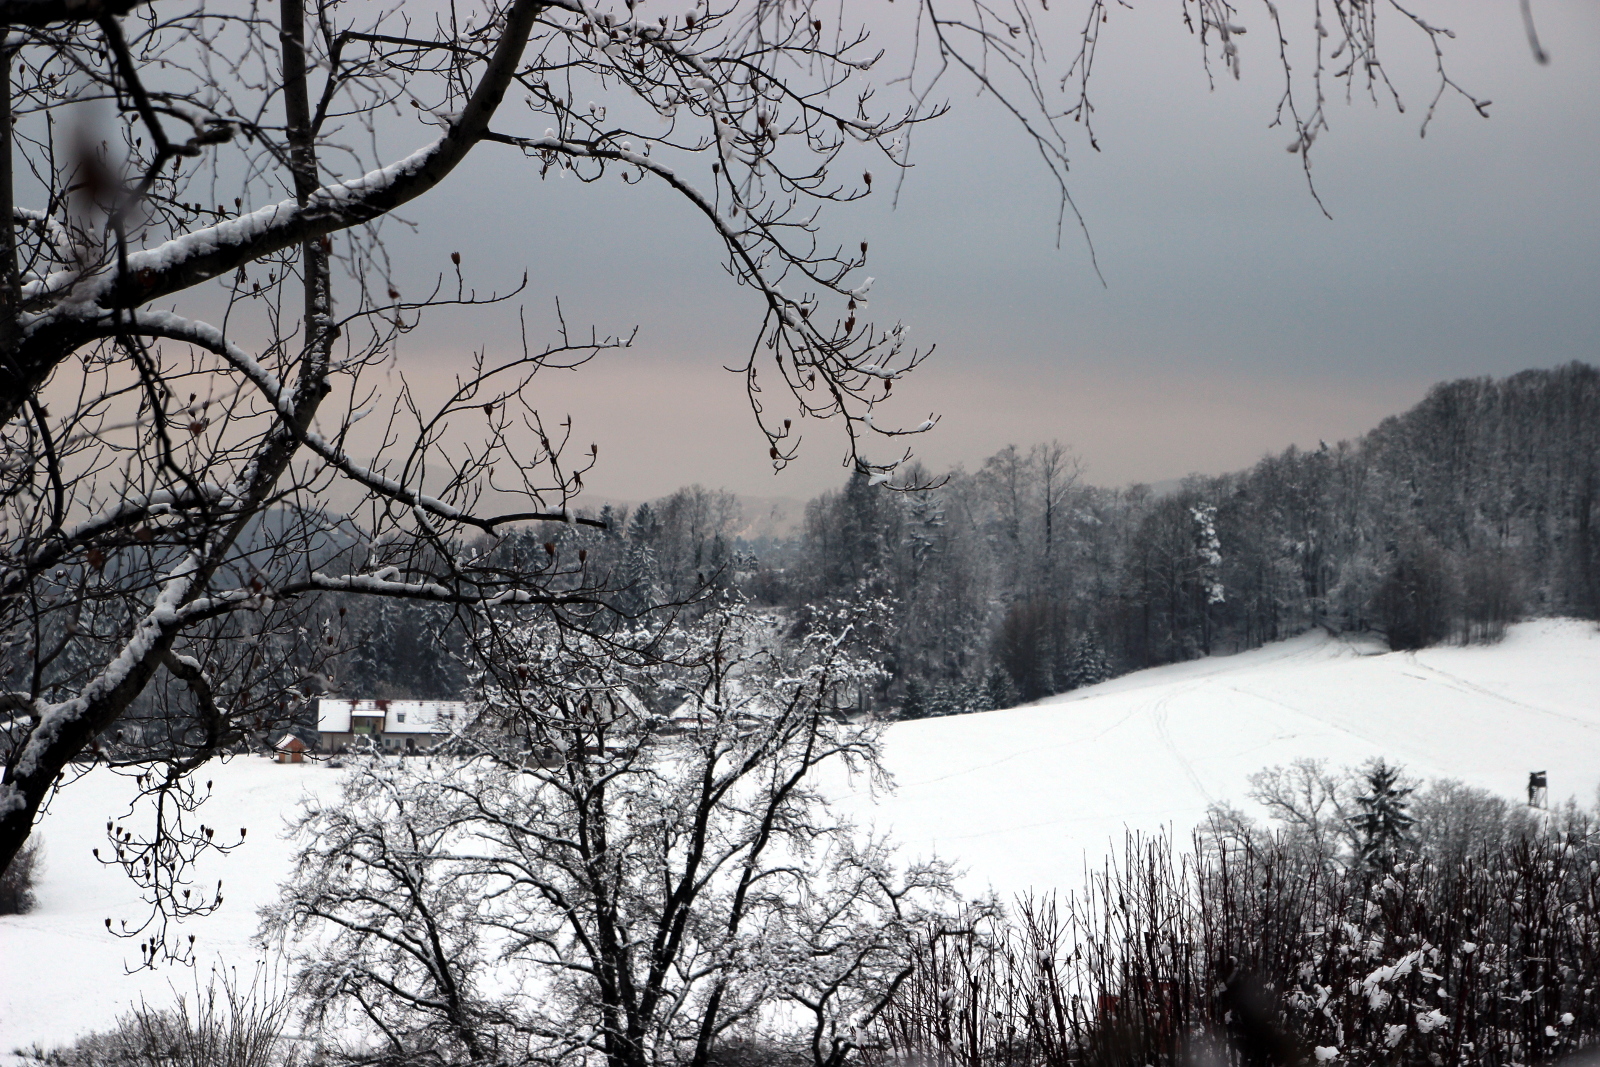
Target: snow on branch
<point x="210" y="251"/>
<point x="235" y="240"/>
<point x="373" y="585"/>
<point x="162" y="620"/>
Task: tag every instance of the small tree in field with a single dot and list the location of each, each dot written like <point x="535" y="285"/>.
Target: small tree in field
<point x="593" y="880"/>
<point x="914" y="705"/>
<point x="1382" y="823"/>
<point x="17" y="883"/>
<point x="1088" y="664"/>
<point x="1415" y="603"/>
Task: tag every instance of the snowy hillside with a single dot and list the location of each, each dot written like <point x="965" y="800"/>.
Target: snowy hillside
<point x="1018" y="797"/>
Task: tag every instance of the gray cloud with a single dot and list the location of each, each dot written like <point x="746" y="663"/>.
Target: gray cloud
<point x="1235" y="319"/>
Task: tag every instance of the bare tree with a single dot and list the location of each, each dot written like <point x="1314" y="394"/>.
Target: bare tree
<point x="593" y="880"/>
<point x="165" y="481"/>
<point x="1058" y="471"/>
<point x="1314" y="805"/>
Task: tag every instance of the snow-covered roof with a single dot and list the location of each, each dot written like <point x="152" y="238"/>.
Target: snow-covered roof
<point x="288" y="743"/>
<point x="399" y="716"/>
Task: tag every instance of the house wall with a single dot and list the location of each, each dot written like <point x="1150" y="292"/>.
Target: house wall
<point x="389" y="742"/>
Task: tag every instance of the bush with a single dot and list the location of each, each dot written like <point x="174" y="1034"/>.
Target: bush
<point x="1249" y="951"/>
<point x="228" y="1025"/>
<point x="1416" y="603"/>
<point x="17" y="884"/>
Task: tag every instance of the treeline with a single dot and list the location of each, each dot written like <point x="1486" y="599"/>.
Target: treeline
<point x="1476" y="507"/>
<point x="1020" y="579"/>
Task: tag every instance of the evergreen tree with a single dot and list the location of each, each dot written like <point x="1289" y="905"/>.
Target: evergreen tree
<point x="1088" y="664"/>
<point x="1383" y="825"/>
<point x="914" y="705"/>
<point x="402" y="654"/>
<point x="644" y="527"/>
<point x="614" y="538"/>
<point x="641" y="576"/>
<point x="1001" y="691"/>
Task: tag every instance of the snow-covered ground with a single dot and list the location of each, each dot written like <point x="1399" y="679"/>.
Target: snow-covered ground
<point x="1019" y="797"/>
<point x="62" y="973"/>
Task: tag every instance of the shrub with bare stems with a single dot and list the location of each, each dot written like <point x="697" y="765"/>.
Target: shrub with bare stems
<point x="1252" y="951"/>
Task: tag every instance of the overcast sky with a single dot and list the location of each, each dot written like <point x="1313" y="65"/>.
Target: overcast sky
<point x="1234" y="319"/>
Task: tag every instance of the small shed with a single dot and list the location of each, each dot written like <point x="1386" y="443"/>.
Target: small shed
<point x="291" y="749"/>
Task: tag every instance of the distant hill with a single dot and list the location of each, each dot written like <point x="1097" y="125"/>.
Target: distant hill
<point x="771" y="517"/>
<point x="762" y="517"/>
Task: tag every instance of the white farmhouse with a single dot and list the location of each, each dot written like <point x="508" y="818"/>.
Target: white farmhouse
<point x="393" y="725"/>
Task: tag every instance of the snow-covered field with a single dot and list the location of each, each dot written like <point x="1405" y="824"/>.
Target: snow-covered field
<point x="62" y="973"/>
<point x="1019" y="797"/>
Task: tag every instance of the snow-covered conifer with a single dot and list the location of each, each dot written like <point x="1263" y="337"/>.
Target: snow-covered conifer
<point x="1088" y="664"/>
<point x="999" y="690"/>
<point x="914" y="704"/>
<point x="1383" y="823"/>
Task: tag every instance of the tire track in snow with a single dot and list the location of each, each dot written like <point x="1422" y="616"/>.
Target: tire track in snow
<point x="1303" y="713"/>
<point x="1464" y="685"/>
<point x="1159" y="713"/>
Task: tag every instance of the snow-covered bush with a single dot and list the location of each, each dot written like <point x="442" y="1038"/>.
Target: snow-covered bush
<point x="634" y="864"/>
<point x="1242" y="951"/>
<point x="226" y="1024"/>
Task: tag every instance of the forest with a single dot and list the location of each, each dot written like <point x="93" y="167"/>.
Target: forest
<point x="1021" y="578"/>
